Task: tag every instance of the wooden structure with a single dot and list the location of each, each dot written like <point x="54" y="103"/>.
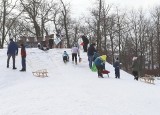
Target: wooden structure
<point x="41" y="73"/>
<point x="32" y="42"/>
<point x="147" y="79"/>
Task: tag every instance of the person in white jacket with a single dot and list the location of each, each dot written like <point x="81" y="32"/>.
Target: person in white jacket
<point x="75" y="52"/>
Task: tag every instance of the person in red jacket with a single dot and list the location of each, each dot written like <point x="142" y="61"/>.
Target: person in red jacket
<point x="23" y="55"/>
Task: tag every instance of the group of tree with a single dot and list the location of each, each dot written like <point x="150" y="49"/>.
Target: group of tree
<point x="117" y="32"/>
<point x="127" y="33"/>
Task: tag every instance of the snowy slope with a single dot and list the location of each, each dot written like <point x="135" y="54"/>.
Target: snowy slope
<point x="71" y="89"/>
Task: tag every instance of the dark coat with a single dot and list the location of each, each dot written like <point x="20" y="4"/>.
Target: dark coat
<point x="91" y="50"/>
<point x="85" y="40"/>
<point x="12" y="48"/>
<point x="23" y="51"/>
<point x="116" y="64"/>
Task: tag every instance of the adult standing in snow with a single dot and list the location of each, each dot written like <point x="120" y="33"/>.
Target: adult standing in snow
<point x="85" y="43"/>
<point x="135" y="67"/>
<point x="12" y="52"/>
<point x="116" y="65"/>
<point x="23" y="56"/>
<point x="100" y="64"/>
<point x="90" y="54"/>
<point x="75" y="52"/>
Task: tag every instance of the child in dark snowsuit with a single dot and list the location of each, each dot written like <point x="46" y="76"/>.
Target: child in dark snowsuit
<point x="116" y="65"/>
<point x="65" y="57"/>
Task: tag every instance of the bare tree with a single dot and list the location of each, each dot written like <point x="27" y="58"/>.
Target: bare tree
<point x="66" y="18"/>
<point x="32" y="9"/>
<point x="156" y="16"/>
<point x="7" y="18"/>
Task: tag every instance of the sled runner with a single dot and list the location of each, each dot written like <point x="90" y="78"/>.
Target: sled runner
<point x="147" y="79"/>
<point x="40" y="73"/>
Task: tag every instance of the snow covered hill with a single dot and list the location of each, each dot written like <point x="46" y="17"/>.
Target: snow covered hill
<point x="71" y="89"/>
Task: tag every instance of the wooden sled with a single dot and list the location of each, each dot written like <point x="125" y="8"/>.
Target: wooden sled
<point x="147" y="79"/>
<point x="41" y="73"/>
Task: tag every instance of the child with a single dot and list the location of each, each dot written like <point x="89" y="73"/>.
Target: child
<point x="65" y="57"/>
<point x="100" y="64"/>
<point x="23" y="55"/>
<point x="116" y="66"/>
<point x="75" y="51"/>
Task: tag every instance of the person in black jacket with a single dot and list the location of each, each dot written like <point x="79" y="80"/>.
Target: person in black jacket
<point x="85" y="43"/>
<point x="12" y="52"/>
<point x="116" y="65"/>
<point x="90" y="54"/>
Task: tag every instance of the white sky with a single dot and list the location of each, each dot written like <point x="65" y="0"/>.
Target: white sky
<point x="81" y="6"/>
<point x="71" y="89"/>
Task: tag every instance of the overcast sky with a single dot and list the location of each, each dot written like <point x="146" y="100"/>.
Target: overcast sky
<point x="81" y="6"/>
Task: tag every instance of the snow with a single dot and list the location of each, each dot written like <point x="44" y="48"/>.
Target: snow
<point x="71" y="89"/>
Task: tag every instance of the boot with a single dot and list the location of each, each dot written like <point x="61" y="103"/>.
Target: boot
<point x="23" y="70"/>
<point x="100" y="77"/>
<point x="14" y="68"/>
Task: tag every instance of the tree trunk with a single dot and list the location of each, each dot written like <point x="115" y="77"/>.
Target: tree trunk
<point x="4" y="23"/>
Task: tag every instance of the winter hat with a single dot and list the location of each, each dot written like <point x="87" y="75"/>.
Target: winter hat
<point x="103" y="57"/>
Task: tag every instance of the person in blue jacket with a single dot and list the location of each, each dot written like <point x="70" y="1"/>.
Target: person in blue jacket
<point x="12" y="52"/>
<point x="65" y="57"/>
<point x="100" y="64"/>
